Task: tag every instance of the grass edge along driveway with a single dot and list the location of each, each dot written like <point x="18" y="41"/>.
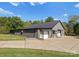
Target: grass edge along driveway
<point x="20" y="52"/>
<point x="10" y="37"/>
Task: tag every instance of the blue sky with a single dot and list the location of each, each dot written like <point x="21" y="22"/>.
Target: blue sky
<point x="40" y="10"/>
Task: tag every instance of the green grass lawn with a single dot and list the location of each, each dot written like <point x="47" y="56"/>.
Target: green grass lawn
<point x="20" y="52"/>
<point x="6" y="37"/>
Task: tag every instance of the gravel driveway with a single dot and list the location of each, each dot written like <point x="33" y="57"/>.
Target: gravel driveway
<point x="65" y="44"/>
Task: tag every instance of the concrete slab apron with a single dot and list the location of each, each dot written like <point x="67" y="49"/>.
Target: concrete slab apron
<point x="64" y="45"/>
<point x="58" y="45"/>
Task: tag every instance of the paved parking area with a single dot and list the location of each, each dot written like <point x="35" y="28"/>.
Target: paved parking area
<point x="65" y="44"/>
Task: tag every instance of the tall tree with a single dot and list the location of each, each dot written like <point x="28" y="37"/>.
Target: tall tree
<point x="66" y="27"/>
<point x="27" y="24"/>
<point x="15" y="23"/>
<point x="36" y="22"/>
<point x="49" y="19"/>
<point x="76" y="29"/>
<point x="10" y="23"/>
<point x="72" y="21"/>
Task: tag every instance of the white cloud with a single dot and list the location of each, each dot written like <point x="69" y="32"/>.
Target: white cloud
<point x="15" y="3"/>
<point x="76" y="5"/>
<point x="65" y="15"/>
<point x="32" y="3"/>
<point x="7" y="12"/>
<point x="56" y="19"/>
<point x="2" y="11"/>
<point x="18" y="15"/>
<point x="35" y="3"/>
<point x="42" y="3"/>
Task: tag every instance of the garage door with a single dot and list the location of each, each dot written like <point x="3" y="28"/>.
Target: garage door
<point x="45" y="35"/>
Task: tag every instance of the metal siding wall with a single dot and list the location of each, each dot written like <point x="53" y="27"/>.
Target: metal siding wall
<point x="59" y="26"/>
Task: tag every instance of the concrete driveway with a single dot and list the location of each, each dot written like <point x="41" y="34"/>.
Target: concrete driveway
<point x="65" y="44"/>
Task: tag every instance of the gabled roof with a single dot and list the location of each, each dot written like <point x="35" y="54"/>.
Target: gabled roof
<point x="44" y="25"/>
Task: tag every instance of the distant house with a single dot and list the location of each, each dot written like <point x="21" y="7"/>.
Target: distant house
<point x="43" y="31"/>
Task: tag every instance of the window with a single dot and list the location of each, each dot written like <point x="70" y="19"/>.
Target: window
<point x="53" y="31"/>
<point x="59" y="30"/>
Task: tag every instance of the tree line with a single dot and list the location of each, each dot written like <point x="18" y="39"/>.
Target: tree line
<point x="72" y="26"/>
<point x="14" y="22"/>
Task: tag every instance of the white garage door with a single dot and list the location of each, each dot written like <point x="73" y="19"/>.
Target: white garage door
<point x="45" y="36"/>
<point x="41" y="36"/>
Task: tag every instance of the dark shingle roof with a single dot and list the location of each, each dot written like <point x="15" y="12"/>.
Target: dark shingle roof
<point x="44" y="25"/>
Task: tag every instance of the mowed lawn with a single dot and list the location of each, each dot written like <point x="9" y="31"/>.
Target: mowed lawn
<point x="8" y="37"/>
<point x="20" y="52"/>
